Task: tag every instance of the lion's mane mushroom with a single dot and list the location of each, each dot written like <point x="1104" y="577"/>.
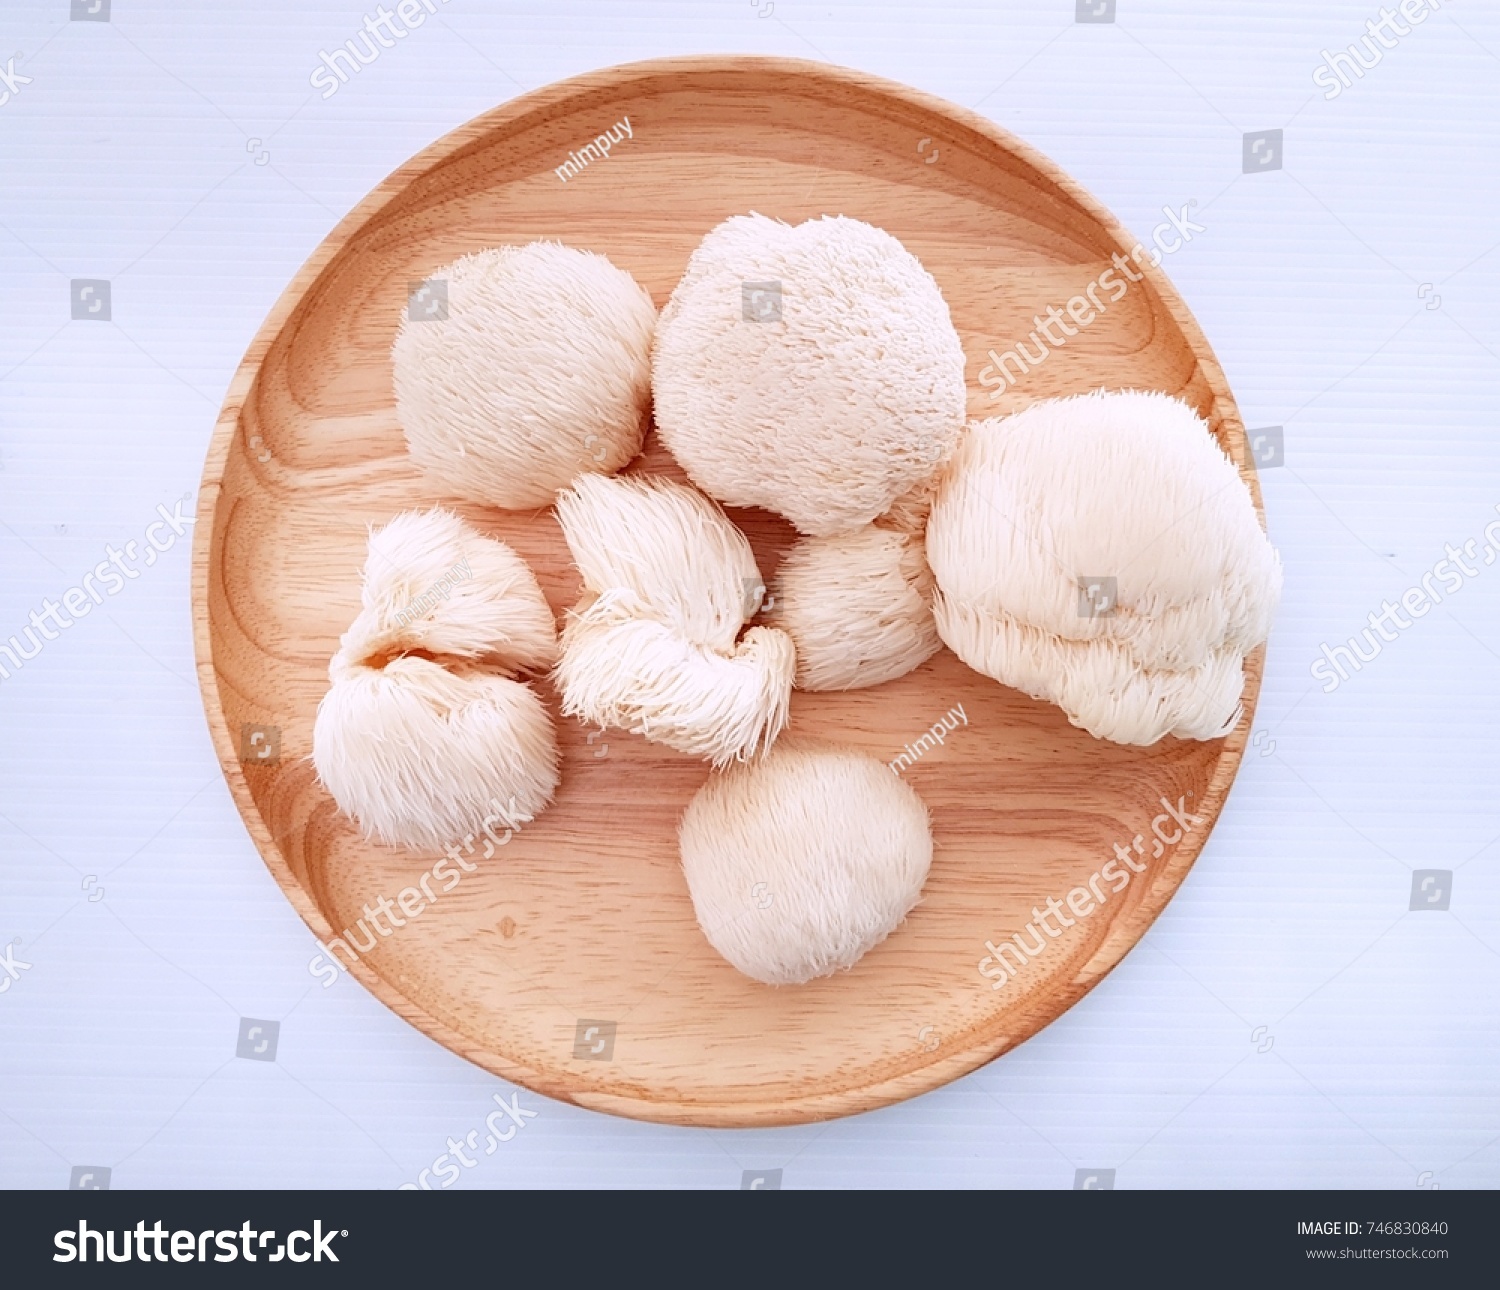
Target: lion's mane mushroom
<point x="654" y="646"/>
<point x="1041" y="512"/>
<point x="858" y="605"/>
<point x="425" y="732"/>
<point x="536" y="370"/>
<point x="799" y="864"/>
<point x="811" y="370"/>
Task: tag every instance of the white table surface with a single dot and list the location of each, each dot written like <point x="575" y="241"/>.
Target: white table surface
<point x="1346" y="294"/>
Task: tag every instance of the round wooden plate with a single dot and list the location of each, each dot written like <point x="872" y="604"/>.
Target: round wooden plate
<point x="570" y="962"/>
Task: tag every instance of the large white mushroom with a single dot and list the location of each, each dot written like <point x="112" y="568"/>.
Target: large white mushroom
<point x="535" y="369"/>
<point x="425" y="732"/>
<point x="801" y="863"/>
<point x="1102" y="553"/>
<point x="811" y="370"/>
<point x="654" y="646"/>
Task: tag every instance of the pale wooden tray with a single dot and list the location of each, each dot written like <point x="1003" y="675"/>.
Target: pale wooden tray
<point x="584" y="916"/>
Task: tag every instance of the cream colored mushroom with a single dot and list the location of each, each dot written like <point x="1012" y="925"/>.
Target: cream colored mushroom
<point x="1041" y="513"/>
<point x="432" y="583"/>
<point x="653" y="647"/>
<point x="801" y="863"/>
<point x="811" y="370"/>
<point x="420" y="756"/>
<point x="424" y="733"/>
<point x="858" y="607"/>
<point x="534" y="371"/>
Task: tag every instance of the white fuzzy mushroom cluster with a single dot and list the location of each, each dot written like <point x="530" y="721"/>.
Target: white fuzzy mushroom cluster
<point x="426" y="725"/>
<point x="1102" y="553"/>
<point x="654" y="647"/>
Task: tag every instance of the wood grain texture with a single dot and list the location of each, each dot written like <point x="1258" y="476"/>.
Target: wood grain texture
<point x="585" y="913"/>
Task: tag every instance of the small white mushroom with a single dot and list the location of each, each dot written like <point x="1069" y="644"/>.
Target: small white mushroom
<point x="1126" y="491"/>
<point x="536" y="370"/>
<point x="653" y="647"/>
<point x="423" y="734"/>
<point x="858" y="607"/>
<point x="799" y="864"/>
<point x="432" y="583"/>
<point x="811" y="370"/>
